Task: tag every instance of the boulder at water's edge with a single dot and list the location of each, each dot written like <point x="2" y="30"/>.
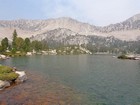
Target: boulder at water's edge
<point x="4" y="84"/>
<point x="22" y="76"/>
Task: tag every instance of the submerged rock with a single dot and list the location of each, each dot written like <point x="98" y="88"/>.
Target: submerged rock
<point x="4" y="84"/>
<point x="22" y="76"/>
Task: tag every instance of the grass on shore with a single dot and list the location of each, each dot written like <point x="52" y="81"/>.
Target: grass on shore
<point x="10" y="54"/>
<point x="6" y="74"/>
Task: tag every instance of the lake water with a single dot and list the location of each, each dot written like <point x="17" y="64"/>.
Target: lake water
<point x="102" y="79"/>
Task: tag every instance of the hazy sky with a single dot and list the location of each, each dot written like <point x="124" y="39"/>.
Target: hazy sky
<point x="96" y="12"/>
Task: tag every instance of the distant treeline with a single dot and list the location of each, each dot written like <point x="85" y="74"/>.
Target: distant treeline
<point x="97" y="44"/>
<point x="20" y="44"/>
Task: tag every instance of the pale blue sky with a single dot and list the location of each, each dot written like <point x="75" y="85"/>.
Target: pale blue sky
<point x="96" y="12"/>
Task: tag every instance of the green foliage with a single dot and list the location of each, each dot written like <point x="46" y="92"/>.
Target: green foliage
<point x="13" y="51"/>
<point x="15" y="34"/>
<point x="19" y="44"/>
<point x="4" y="44"/>
<point x="73" y="49"/>
<point x="44" y="45"/>
<point x="27" y="41"/>
<point x="7" y="74"/>
<point x="5" y="69"/>
<point x="14" y="40"/>
<point x="14" y="54"/>
<point x="98" y="45"/>
<point x="1" y="49"/>
<point x="27" y="45"/>
<point x="37" y="45"/>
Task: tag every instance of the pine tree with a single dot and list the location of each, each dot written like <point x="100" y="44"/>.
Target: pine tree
<point x="4" y="44"/>
<point x="27" y="45"/>
<point x="14" y="40"/>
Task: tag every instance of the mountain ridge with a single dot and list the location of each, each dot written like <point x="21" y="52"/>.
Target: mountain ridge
<point x="126" y="30"/>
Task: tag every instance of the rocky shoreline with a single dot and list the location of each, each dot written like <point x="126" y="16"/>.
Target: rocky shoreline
<point x="129" y="57"/>
<point x="41" y="90"/>
<point x="11" y="76"/>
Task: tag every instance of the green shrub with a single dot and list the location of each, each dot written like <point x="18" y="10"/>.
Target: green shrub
<point x="6" y="74"/>
<point x="122" y="57"/>
<point x="5" y="69"/>
<point x="10" y="54"/>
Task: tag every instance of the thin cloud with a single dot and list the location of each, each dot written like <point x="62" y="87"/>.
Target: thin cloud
<point x="96" y="12"/>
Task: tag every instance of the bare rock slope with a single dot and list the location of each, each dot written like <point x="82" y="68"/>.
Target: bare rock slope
<point x="126" y="30"/>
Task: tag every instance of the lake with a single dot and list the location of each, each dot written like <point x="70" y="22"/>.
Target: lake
<point x="100" y="79"/>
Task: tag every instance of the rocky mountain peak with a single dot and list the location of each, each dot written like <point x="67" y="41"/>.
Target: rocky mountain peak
<point x="122" y="30"/>
<point x="135" y="18"/>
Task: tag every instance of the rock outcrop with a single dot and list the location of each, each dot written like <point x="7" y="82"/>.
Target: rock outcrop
<point x="4" y="84"/>
<point x="22" y="76"/>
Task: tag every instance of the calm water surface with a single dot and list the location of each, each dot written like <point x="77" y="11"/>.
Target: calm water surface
<point x="103" y="79"/>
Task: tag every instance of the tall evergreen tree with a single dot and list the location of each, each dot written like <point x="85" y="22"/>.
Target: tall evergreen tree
<point x="4" y="44"/>
<point x="36" y="45"/>
<point x="14" y="40"/>
<point x="19" y="43"/>
<point x="27" y="45"/>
